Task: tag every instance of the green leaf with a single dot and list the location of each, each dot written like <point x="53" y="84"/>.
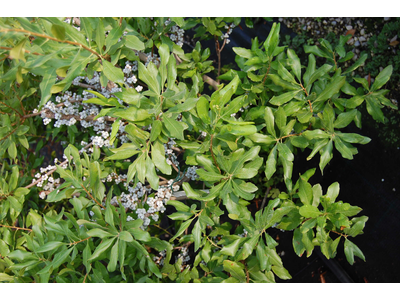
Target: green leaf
<point x="45" y="86"/>
<point x="202" y="107"/>
<point x="125" y="236"/>
<point x="235" y="270"/>
<point x="270" y="167"/>
<point x="18" y="52"/>
<point x="140" y="234"/>
<point x="358" y="63"/>
<point x="178" y="205"/>
<point x="97" y="232"/>
<point x="284" y="98"/>
<point x="209" y="176"/>
<point x="180" y="215"/>
<point x="294" y="62"/>
<point x="127" y="150"/>
<point x="318" y="74"/>
<point x="354" y="138"/>
<point x="239" y="129"/>
<point x="149" y="76"/>
<point x="316" y="51"/>
<point x="345" y="119"/>
<point x="176" y="128"/>
<point x="112" y="73"/>
<point x="151" y="174"/>
<point x="350" y="249"/>
<point x="158" y="156"/>
<point x="100" y="35"/>
<point x="197" y="235"/>
<point x="331" y="89"/>
<point x="285" y="152"/>
<point x="354" y="101"/>
<point x="133" y="114"/>
<point x="281" y="272"/>
<point x="101" y="248"/>
<point x="285" y="74"/>
<point x="58" y="31"/>
<point x="87" y="27"/>
<point x="326" y="156"/>
<point x="270" y="121"/>
<point x="231" y="249"/>
<point x="113" y="37"/>
<point x="243" y="52"/>
<point x="272" y="40"/>
<point x="49" y="246"/>
<point x="224" y="95"/>
<point x="298" y="245"/>
<point x="342" y="148"/>
<point x="182" y="228"/>
<point x="60" y="258"/>
<point x="309" y="211"/>
<point x="374" y="109"/>
<point x="112" y="265"/>
<point x="248" y="247"/>
<point x="6" y="277"/>
<point x="171" y="71"/>
<point x="134" y="43"/>
<point x="305" y="191"/>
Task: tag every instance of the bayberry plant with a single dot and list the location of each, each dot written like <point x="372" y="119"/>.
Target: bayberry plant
<point x="119" y="164"/>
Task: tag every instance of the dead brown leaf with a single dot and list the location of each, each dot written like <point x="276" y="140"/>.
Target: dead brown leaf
<point x="351" y="32"/>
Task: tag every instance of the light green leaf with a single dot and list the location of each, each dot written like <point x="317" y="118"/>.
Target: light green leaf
<point x="350" y="249"/>
<point x="271" y="163"/>
<point x="112" y="265"/>
<point x="196" y="235"/>
<point x="309" y="211"/>
<point x="181" y="229"/>
<point x="151" y="174"/>
<point x="149" y="76"/>
<point x="175" y="127"/>
<point x="101" y="248"/>
<point x="45" y="86"/>
<point x="134" y="43"/>
<point x="97" y="232"/>
<point x="294" y="62"/>
<point x="270" y="121"/>
<point x="112" y="73"/>
<point x="158" y="156"/>
<point x="281" y="272"/>
<point x="284" y="98"/>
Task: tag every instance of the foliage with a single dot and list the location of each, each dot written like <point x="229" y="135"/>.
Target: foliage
<point x="140" y="127"/>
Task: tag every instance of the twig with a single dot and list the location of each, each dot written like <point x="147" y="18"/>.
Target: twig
<point x="212" y="154"/>
<point x="52" y="171"/>
<point x="51" y="38"/>
<point x="265" y="198"/>
<point x="26" y="51"/>
<point x="17" y="228"/>
<point x="84" y="85"/>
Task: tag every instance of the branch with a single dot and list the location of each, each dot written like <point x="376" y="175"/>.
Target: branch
<point x="265" y="198"/>
<point x="53" y="39"/>
<point x="17" y="228"/>
<point x="26" y="51"/>
<point x="52" y="171"/>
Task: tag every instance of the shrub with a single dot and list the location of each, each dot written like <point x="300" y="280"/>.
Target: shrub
<point x="128" y="108"/>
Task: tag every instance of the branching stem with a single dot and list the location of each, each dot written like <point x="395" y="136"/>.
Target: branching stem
<point x="53" y="39"/>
